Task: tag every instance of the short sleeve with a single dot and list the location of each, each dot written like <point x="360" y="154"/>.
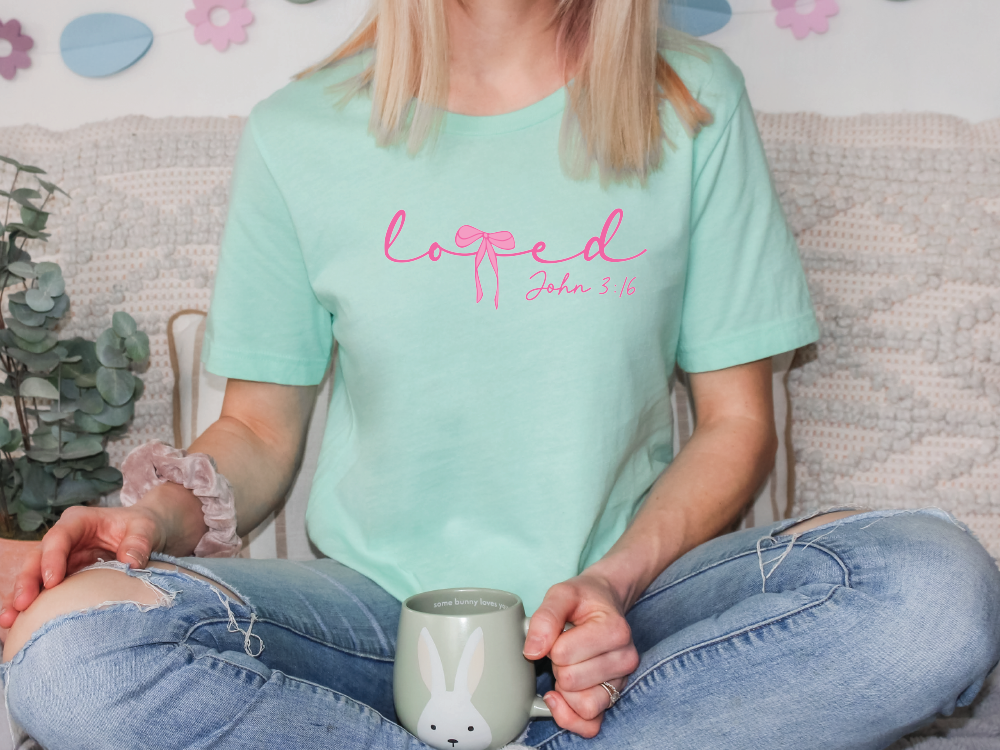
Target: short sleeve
<point x="265" y="322"/>
<point x="745" y="295"/>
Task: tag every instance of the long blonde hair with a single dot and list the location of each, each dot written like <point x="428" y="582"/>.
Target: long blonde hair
<point x="613" y="118"/>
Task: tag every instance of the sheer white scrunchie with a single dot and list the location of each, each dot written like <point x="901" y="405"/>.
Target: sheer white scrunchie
<point x="155" y="463"/>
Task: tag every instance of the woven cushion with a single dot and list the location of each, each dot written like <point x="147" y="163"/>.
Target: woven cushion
<point x="898" y="222"/>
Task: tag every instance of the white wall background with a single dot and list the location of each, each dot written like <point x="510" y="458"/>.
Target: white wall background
<point x="879" y="56"/>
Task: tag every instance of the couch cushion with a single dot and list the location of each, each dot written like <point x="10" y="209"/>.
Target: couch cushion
<point x="898" y="222"/>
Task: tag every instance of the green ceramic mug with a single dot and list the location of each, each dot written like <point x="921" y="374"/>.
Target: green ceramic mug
<point x="460" y="679"/>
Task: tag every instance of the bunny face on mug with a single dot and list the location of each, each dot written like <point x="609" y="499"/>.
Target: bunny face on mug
<point x="449" y="720"/>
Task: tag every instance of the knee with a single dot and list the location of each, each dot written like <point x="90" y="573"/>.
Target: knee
<point x="85" y="590"/>
<point x="64" y="652"/>
<point x="945" y="590"/>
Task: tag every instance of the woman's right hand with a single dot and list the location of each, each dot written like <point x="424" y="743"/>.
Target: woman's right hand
<point x="83" y="534"/>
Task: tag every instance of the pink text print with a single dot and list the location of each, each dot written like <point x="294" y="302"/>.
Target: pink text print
<point x="467" y="235"/>
<point x="627" y="286"/>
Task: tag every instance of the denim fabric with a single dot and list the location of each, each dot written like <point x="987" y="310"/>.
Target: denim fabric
<point x="847" y="636"/>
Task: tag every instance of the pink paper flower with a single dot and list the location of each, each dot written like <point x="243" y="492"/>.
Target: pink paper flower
<point x="21" y="43"/>
<point x="220" y="36"/>
<point x="802" y="23"/>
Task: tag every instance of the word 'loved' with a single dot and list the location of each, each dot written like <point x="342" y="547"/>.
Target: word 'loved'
<point x="467" y="235"/>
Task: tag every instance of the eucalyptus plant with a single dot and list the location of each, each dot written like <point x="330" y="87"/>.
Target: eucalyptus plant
<point x="69" y="396"/>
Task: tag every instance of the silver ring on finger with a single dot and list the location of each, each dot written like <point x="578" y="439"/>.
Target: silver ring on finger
<point x="612" y="692"/>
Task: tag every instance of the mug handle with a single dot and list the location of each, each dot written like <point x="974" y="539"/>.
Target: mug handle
<point x="538" y="708"/>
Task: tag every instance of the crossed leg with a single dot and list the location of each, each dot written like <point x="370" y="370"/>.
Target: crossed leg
<point x="86" y="589"/>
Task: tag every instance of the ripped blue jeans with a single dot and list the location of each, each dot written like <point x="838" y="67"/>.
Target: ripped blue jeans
<point x="849" y="635"/>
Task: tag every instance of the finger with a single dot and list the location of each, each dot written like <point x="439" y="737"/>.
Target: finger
<point x="601" y="633"/>
<point x="591" y="703"/>
<point x="564" y="715"/>
<point x="58" y="543"/>
<point x="25" y="590"/>
<point x="548" y="620"/>
<point x="136" y="543"/>
<point x="608" y="667"/>
<point x="27" y="583"/>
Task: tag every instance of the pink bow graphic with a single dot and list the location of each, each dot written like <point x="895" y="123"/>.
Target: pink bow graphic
<point x="466" y="235"/>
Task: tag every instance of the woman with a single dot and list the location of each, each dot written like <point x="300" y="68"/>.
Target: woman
<point x="523" y="217"/>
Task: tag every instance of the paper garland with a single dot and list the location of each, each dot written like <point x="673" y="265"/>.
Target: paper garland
<point x="101" y="44"/>
<point x="698" y="17"/>
<point x="220" y="36"/>
<point x="20" y="44"/>
<point x="802" y="23"/>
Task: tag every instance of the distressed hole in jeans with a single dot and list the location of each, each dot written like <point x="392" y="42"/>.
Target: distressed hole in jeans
<point x="823" y="518"/>
<point x="185" y="571"/>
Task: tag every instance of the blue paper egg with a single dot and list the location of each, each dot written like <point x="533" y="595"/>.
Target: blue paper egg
<point x="100" y="44"/>
<point x="699" y="17"/>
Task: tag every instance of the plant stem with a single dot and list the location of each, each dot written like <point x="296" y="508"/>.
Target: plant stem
<point x="12" y="184"/>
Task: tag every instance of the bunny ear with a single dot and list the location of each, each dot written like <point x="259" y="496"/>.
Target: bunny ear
<point x="470" y="667"/>
<point x="431" y="668"/>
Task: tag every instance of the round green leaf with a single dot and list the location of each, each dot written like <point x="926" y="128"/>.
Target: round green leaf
<point x="26" y="315"/>
<point x="76" y="491"/>
<point x="50" y="417"/>
<point x="115" y="385"/>
<point x="69" y="389"/>
<point x="60" y="307"/>
<point x="90" y="401"/>
<point x="116" y="416"/>
<point x="111" y="349"/>
<point x="106" y="474"/>
<point x="31" y="334"/>
<point x="14" y="443"/>
<point x="47" y="268"/>
<point x="45" y="456"/>
<point x="4" y="431"/>
<point x="43" y="438"/>
<point x="84" y="446"/>
<point x="123" y="324"/>
<point x="22" y="269"/>
<point x="44" y="345"/>
<point x="29" y="520"/>
<point x="137" y="347"/>
<point x="38" y="388"/>
<point x="86" y="349"/>
<point x="51" y="284"/>
<point x="38" y="300"/>
<point x="38" y="363"/>
<point x="88" y="424"/>
<point x="86" y="380"/>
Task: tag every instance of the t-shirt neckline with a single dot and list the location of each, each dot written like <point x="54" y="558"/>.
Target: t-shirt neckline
<point x="507" y="122"/>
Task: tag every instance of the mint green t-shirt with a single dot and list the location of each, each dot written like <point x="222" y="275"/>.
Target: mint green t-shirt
<point x="505" y="335"/>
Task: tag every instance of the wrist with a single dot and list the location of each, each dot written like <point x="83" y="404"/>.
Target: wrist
<point x="179" y="512"/>
<point x="623" y="575"/>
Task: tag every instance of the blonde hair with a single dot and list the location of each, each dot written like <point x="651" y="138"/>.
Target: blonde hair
<point x="613" y="117"/>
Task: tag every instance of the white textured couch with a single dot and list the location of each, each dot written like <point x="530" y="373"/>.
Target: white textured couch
<point x="898" y="221"/>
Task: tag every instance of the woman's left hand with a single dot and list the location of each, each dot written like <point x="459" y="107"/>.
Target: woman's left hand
<point x="599" y="649"/>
